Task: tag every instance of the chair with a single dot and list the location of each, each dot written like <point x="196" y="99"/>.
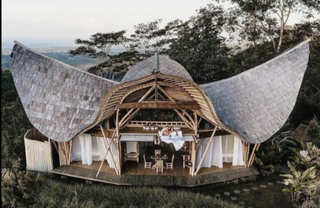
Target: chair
<point x="146" y="164"/>
<point x="157" y="152"/>
<point x="186" y="159"/>
<point x="170" y="164"/>
<point x="159" y="167"/>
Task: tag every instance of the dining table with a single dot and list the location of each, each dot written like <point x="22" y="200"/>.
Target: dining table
<point x="155" y="158"/>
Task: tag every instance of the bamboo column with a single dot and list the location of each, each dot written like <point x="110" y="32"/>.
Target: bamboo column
<point x="246" y="149"/>
<point x="205" y="152"/>
<point x="253" y="153"/>
<point x="108" y="149"/>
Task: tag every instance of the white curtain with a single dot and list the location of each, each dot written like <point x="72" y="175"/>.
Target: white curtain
<point x="237" y="152"/>
<point x="227" y="148"/>
<point x="217" y="152"/>
<point x="88" y="148"/>
<point x="213" y="155"/>
<point x="82" y="149"/>
<point x="76" y="149"/>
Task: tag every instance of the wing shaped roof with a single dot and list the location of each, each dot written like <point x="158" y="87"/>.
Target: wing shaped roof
<point x="62" y="101"/>
<point x="166" y="66"/>
<point x="59" y="100"/>
<point x="257" y="102"/>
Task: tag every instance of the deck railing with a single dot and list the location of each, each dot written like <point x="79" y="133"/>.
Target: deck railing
<point x="156" y="123"/>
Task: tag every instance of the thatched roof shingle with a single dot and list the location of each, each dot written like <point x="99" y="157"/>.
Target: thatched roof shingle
<point x="257" y="102"/>
<point x="59" y="100"/>
<point x="166" y="66"/>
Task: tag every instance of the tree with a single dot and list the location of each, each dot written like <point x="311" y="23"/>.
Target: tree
<point x="258" y="21"/>
<point x="199" y="46"/>
<point x="147" y="39"/>
<point x="150" y="38"/>
<point x="99" y="45"/>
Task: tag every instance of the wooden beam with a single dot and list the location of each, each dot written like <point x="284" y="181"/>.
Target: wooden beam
<point x="108" y="149"/>
<point x="141" y="99"/>
<point x="206" y="150"/>
<point x="129" y="118"/>
<point x="193" y="158"/>
<point x="195" y="123"/>
<point x="183" y="118"/>
<point x="253" y="154"/>
<point x="119" y="157"/>
<point x="190" y="118"/>
<point x="117" y="124"/>
<point x="246" y="148"/>
<point x="190" y="105"/>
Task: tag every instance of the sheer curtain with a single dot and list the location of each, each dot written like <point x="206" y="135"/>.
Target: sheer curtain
<point x="225" y="148"/>
<point x="213" y="155"/>
<point x="237" y="152"/>
<point x="88" y="148"/>
<point x="217" y="152"/>
<point x="82" y="149"/>
<point x="76" y="149"/>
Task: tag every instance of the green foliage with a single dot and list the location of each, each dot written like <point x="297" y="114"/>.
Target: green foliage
<point x="265" y="21"/>
<point x="199" y="46"/>
<point x="99" y="45"/>
<point x="48" y="192"/>
<point x="150" y="38"/>
<point x="14" y="122"/>
<point x="302" y="184"/>
<point x="313" y="131"/>
<point x="147" y="39"/>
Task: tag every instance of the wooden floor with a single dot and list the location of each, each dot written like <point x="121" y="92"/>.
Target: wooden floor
<point x="133" y="173"/>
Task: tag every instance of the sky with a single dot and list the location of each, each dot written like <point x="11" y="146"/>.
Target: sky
<point x="41" y="23"/>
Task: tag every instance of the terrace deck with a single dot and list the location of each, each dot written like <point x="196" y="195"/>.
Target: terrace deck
<point x="134" y="174"/>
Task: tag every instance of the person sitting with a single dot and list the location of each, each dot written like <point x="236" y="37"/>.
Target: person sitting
<point x="166" y="131"/>
<point x="172" y="132"/>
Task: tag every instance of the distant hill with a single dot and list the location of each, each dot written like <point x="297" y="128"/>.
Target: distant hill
<point x="58" y="53"/>
<point x="64" y="57"/>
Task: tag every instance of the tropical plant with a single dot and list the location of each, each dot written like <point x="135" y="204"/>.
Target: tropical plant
<point x="10" y="169"/>
<point x="301" y="183"/>
<point x="309" y="156"/>
<point x="313" y="131"/>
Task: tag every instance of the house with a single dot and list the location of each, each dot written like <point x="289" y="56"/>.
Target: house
<point x="90" y="127"/>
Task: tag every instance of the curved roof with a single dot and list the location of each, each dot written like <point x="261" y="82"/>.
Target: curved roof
<point x="166" y="66"/>
<point x="257" y="102"/>
<point x="59" y="100"/>
<point x="62" y="101"/>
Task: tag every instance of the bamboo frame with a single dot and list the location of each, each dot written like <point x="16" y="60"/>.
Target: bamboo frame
<point x="108" y="149"/>
<point x="64" y="153"/>
<point x="253" y="154"/>
<point x="246" y="149"/>
<point x="205" y="152"/>
<point x="193" y="158"/>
